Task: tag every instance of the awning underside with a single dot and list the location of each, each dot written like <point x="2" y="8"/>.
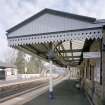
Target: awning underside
<point x="66" y="53"/>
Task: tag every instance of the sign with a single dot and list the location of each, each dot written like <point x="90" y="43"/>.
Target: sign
<point x="91" y="55"/>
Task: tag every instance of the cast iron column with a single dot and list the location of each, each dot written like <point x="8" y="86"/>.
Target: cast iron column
<point x="50" y="58"/>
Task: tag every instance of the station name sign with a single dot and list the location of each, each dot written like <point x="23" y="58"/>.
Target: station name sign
<point x="91" y="55"/>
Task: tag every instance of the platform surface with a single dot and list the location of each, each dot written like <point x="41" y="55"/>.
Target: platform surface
<point x="65" y="94"/>
<point x="18" y="81"/>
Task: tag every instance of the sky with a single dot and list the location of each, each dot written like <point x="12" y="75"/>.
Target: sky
<point x="13" y="12"/>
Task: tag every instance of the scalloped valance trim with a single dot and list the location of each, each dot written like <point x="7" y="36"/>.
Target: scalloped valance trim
<point x="56" y="37"/>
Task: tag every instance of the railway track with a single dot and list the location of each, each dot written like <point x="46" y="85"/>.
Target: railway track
<point x="7" y="95"/>
<point x="27" y="89"/>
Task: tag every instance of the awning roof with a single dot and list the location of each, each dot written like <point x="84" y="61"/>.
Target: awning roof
<point x="56" y="13"/>
<point x="67" y="32"/>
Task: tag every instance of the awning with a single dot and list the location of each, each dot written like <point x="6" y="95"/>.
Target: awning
<point x="67" y="32"/>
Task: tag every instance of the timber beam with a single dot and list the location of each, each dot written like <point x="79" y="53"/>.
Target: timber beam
<point x="73" y="50"/>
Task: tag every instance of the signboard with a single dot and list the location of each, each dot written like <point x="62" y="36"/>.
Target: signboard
<point x="91" y="55"/>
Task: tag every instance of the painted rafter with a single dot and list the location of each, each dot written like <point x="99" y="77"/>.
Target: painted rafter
<point x="73" y="50"/>
<point x="72" y="56"/>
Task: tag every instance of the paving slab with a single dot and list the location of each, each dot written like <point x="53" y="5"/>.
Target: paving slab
<point x="65" y="93"/>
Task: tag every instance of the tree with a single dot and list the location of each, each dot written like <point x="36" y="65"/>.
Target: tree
<point x="20" y="62"/>
<point x="34" y="66"/>
<point x="10" y="56"/>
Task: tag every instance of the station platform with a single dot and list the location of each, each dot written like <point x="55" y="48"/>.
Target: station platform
<point x="65" y="93"/>
<point x="18" y="81"/>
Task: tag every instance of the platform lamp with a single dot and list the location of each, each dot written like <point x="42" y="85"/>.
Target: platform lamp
<point x="51" y="56"/>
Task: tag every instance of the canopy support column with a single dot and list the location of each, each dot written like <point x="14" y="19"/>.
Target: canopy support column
<point x="51" y="57"/>
<point x="51" y="95"/>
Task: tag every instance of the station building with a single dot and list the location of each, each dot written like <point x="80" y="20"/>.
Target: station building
<point x="7" y="71"/>
<point x="92" y="73"/>
<point x="68" y="40"/>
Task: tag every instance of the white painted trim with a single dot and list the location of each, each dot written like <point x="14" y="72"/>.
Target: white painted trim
<point x="56" y="37"/>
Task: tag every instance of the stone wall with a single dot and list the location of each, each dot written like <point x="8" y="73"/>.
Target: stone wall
<point x="103" y="65"/>
<point x="92" y="86"/>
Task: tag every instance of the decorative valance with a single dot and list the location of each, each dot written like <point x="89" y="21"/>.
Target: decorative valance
<point x="56" y="37"/>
